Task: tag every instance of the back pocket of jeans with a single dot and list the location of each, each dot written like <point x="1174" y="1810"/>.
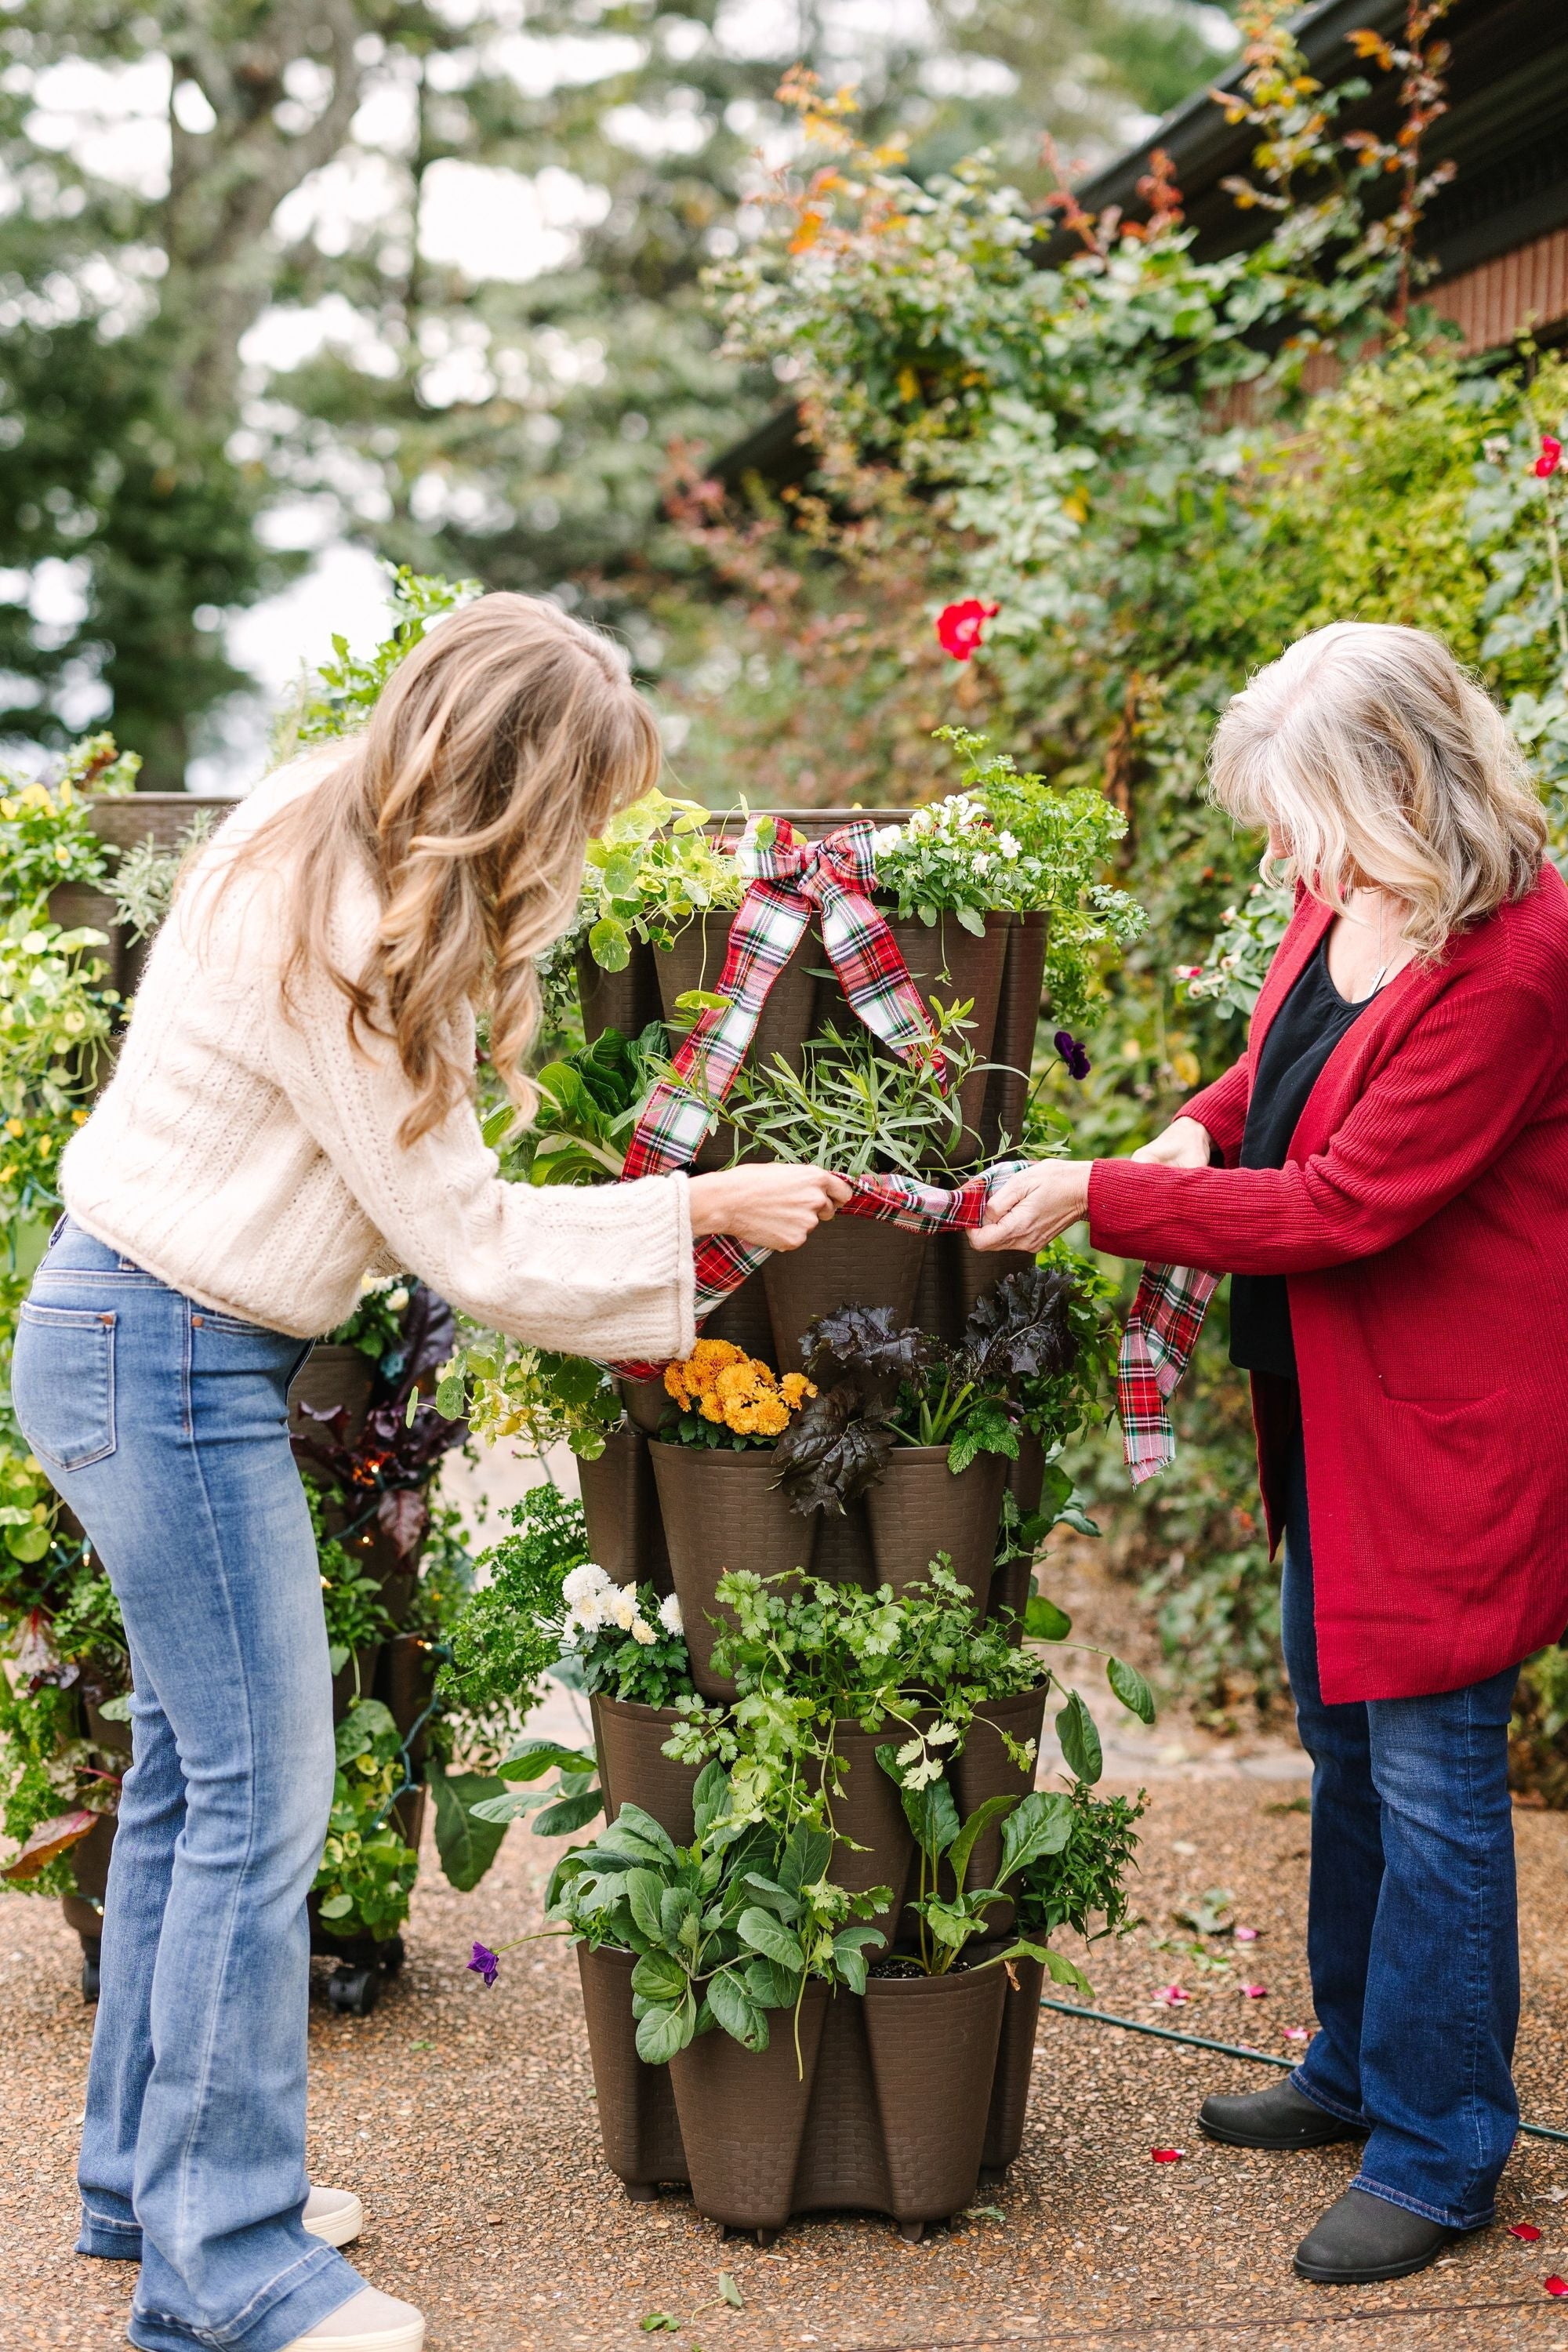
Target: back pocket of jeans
<point x="62" y="1383"/>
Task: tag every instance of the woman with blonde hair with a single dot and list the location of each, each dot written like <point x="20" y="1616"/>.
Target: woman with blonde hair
<point x="292" y="1108"/>
<point x="1384" y="1175"/>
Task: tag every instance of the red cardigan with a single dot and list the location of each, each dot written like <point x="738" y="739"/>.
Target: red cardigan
<point x="1422" y="1218"/>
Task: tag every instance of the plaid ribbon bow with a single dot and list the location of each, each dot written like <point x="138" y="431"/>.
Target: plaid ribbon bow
<point x="1161" y="1330"/>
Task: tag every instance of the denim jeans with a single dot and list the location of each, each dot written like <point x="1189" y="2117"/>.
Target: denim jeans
<point x="165" y="1427"/>
<point x="1412" y="1924"/>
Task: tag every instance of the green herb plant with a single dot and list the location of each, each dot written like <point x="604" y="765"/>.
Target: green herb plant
<point x="367" y="1872"/>
<point x="853" y="1107"/>
<point x="649" y="873"/>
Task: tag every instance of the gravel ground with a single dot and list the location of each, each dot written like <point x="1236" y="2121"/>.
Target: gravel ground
<point x="466" y="2121"/>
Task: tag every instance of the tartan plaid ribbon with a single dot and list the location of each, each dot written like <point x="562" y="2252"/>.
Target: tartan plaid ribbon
<point x="1161" y="1330"/>
<point x="790" y="881"/>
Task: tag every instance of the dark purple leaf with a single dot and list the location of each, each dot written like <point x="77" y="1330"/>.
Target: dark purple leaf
<point x="832" y="1450"/>
<point x="403" y="1514"/>
<point x="1022" y="1329"/>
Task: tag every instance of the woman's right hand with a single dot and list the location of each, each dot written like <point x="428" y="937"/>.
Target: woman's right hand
<point x="1186" y="1143"/>
<point x="769" y="1206"/>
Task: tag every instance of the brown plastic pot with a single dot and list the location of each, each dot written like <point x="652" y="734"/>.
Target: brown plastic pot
<point x="984" y="1768"/>
<point x="633" y="1768"/>
<point x="648" y="1403"/>
<point x="635" y="2103"/>
<point x="697" y="961"/>
<point x="626" y="1001"/>
<point x="405" y="1683"/>
<point x="722" y="1510"/>
<point x="1015" y="2065"/>
<point x="934" y="2042"/>
<point x="331" y="1376"/>
<point x="626" y="1534"/>
<point x="1018" y="1019"/>
<point x="742" y="2116"/>
<point x="944" y="957"/>
<point x="742" y="1320"/>
<point x="843" y="1554"/>
<point x="848" y="1261"/>
<point x="875" y="1845"/>
<point x="917" y="1508"/>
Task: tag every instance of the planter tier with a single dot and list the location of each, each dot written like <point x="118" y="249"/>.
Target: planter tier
<point x="848" y="1262"/>
<point x="722" y="1510"/>
<point x="906" y="2094"/>
<point x="626" y="1001"/>
<point x="944" y="957"/>
<point x="620" y="1504"/>
<point x="1017" y="1018"/>
<point x="917" y="1508"/>
<point x="633" y="1769"/>
<point x="697" y="961"/>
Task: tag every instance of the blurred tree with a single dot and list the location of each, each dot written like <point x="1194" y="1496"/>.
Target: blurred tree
<point x="432" y="272"/>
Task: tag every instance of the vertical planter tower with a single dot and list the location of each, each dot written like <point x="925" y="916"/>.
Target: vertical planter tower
<point x="896" y="2100"/>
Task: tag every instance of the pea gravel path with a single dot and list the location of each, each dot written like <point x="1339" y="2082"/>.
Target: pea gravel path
<point x="464" y="2119"/>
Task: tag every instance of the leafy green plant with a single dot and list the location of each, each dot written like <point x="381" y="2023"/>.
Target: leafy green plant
<point x="649" y="873"/>
<point x="507" y="1636"/>
<point x="725" y="1930"/>
<point x="851" y="1106"/>
<point x="503" y="1388"/>
<point x="337" y="699"/>
<point x="588" y="1109"/>
<point x="145" y="878"/>
<point x="951" y="1913"/>
<point x="367" y="1872"/>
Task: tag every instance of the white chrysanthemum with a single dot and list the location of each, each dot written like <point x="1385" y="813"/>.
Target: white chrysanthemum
<point x="621" y="1607"/>
<point x="643" y="1632"/>
<point x="1009" y="844"/>
<point x="584" y="1583"/>
<point x="397" y="1299"/>
<point x="669" y="1614"/>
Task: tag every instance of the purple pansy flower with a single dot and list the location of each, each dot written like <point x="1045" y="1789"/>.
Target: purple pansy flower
<point x="1073" y="1053"/>
<point x="485" y="1963"/>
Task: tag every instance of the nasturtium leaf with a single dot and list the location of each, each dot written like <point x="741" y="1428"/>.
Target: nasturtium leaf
<point x="335" y="1907"/>
<point x="608" y="944"/>
<point x="1130" y="1688"/>
<point x="730" y="2292"/>
<point x="1080" y="1742"/>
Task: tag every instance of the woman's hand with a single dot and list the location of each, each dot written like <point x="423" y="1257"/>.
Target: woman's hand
<point x="1186" y="1143"/>
<point x="1032" y="1207"/>
<point x="766" y="1207"/>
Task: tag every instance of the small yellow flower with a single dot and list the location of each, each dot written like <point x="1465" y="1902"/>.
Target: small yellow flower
<point x="796" y="1388"/>
<point x="13" y="1127"/>
<point x="711" y="1408"/>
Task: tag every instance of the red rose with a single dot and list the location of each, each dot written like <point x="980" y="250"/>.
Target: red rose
<point x="1551" y="458"/>
<point x="960" y="628"/>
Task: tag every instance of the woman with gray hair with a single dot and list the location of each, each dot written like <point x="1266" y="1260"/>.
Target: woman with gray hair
<point x="1384" y="1175"/>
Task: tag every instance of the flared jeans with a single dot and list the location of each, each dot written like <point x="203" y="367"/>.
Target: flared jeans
<point x="165" y="1427"/>
<point x="1412" y="1921"/>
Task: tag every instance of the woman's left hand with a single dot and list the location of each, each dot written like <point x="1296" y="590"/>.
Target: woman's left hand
<point x="1032" y="1207"/>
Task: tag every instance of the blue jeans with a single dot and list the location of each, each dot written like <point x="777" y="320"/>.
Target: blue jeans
<point x="1412" y="1924"/>
<point x="165" y="1427"/>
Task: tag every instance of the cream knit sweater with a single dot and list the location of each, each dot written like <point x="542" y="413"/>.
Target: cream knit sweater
<point x="249" y="1158"/>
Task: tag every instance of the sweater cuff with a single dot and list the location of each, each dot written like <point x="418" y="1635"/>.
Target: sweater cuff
<point x="1112" y="1195"/>
<point x="685" y="1267"/>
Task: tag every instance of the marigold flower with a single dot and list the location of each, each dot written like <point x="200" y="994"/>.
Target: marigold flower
<point x="796" y="1388"/>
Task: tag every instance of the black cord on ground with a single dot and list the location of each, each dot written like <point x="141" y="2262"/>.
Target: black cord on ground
<point x="1228" y="2049"/>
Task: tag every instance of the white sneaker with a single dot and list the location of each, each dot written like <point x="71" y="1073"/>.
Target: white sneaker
<point x="335" y="2215"/>
<point x="368" y="2322"/>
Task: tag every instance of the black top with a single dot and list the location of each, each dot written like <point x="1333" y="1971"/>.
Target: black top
<point x="1303" y="1035"/>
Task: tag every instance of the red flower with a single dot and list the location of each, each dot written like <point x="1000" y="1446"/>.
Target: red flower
<point x="1551" y="458"/>
<point x="960" y="628"/>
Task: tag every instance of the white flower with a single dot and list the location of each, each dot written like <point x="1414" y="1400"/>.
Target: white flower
<point x="397" y="1299"/>
<point x="642" y="1631"/>
<point x="886" y="837"/>
<point x="669" y="1614"/>
<point x="621" y="1607"/>
<point x="585" y="1584"/>
<point x="1009" y="844"/>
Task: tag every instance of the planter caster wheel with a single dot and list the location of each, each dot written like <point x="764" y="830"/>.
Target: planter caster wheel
<point x="912" y="2233"/>
<point x="640" y="2193"/>
<point x="89" y="1972"/>
<point x="353" y="1991"/>
<point x="767" y="2237"/>
<point x="392" y="1956"/>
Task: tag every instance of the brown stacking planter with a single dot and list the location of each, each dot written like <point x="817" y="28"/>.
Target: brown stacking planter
<point x="635" y="2103"/>
<point x="848" y="1261"/>
<point x="331" y="1376"/>
<point x="917" y="1508"/>
<point x="697" y="961"/>
<point x="905" y="2092"/>
<point x="1018" y="1019"/>
<point x="973" y="968"/>
<point x="648" y="1403"/>
<point x="843" y="1554"/>
<point x="722" y="1510"/>
<point x="634" y="1769"/>
<point x="626" y="1001"/>
<point x="626" y="1534"/>
<point x="877" y="1847"/>
<point x="405" y="1682"/>
<point x="1015" y="2065"/>
<point x="984" y="1768"/>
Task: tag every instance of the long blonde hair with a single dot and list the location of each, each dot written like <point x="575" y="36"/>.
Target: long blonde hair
<point x="504" y="741"/>
<point x="1368" y="751"/>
